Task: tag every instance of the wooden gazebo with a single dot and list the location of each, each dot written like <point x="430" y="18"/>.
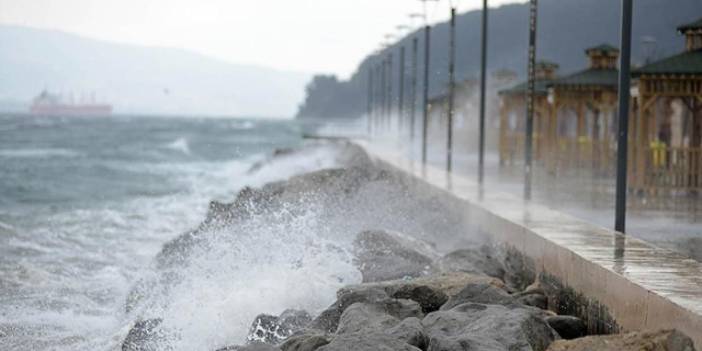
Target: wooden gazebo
<point x="513" y="111"/>
<point x="583" y="103"/>
<point x="666" y="131"/>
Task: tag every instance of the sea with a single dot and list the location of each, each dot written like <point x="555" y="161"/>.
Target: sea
<point x="87" y="203"/>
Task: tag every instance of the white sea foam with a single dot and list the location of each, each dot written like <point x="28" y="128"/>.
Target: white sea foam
<point x="38" y="153"/>
<point x="6" y="226"/>
<point x="180" y="144"/>
<point x="242" y="125"/>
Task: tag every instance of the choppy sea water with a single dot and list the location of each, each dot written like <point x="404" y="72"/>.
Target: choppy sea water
<point x="86" y="204"/>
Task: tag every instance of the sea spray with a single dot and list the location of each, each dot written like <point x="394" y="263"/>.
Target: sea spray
<point x="284" y="245"/>
<point x="87" y="203"/>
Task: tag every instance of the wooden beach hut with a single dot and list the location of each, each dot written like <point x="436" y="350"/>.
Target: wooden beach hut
<point x="666" y="126"/>
<point x="513" y="112"/>
<point x="583" y="106"/>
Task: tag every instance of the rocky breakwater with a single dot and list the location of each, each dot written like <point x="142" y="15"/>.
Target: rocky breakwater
<point x="413" y="294"/>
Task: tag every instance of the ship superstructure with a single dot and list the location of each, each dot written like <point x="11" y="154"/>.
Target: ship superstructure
<point x="49" y="104"/>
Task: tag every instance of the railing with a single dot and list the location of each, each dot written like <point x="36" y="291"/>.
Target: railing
<point x="668" y="168"/>
<point x="584" y="152"/>
<point x="512" y="147"/>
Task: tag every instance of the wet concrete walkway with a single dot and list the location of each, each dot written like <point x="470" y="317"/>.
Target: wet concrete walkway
<point x="673" y="222"/>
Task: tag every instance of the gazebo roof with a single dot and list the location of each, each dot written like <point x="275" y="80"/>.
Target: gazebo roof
<point x="604" y="48"/>
<point x="540" y="84"/>
<point x="540" y="88"/>
<point x="547" y="64"/>
<point x="693" y="25"/>
<point x="689" y="62"/>
<point x="591" y="77"/>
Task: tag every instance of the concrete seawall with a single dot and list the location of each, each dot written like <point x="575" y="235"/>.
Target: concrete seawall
<point x="615" y="282"/>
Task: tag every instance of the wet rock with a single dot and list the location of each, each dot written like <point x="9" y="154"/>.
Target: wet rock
<point x="411" y="331"/>
<point x="274" y="329"/>
<point x="382" y="255"/>
<point x="176" y="252"/>
<point x="534" y="300"/>
<point x="487" y="327"/>
<point x="482" y="260"/>
<point x="373" y="341"/>
<point x="479" y="293"/>
<point x="429" y="299"/>
<point x="568" y="327"/>
<point x="328" y="320"/>
<point x="276" y="155"/>
<point x="519" y="270"/>
<point x="145" y="335"/>
<point x="369" y="317"/>
<point x="250" y="347"/>
<point x="304" y="342"/>
<point x="431" y="292"/>
<point x="662" y="340"/>
<point x="248" y="201"/>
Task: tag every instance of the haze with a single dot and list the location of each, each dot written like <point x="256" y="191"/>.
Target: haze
<point x="329" y="36"/>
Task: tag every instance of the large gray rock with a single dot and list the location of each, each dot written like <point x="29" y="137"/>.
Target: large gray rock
<point x="373" y="341"/>
<point x="519" y="270"/>
<point x="383" y="255"/>
<point x="431" y="292"/>
<point x="274" y="329"/>
<point x="305" y="342"/>
<point x="328" y="320"/>
<point x="479" y="293"/>
<point x="250" y="347"/>
<point x="411" y="331"/>
<point x="535" y="300"/>
<point x="145" y="335"/>
<point x="662" y="340"/>
<point x="488" y="327"/>
<point x="368" y="317"/>
<point x="568" y="327"/>
<point x="481" y="260"/>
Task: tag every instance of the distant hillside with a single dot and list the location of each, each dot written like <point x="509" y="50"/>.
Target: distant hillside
<point x="566" y="28"/>
<point x="138" y="79"/>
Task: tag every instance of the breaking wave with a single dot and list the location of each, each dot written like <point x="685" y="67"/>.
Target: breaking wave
<point x="180" y="144"/>
<point x="38" y="153"/>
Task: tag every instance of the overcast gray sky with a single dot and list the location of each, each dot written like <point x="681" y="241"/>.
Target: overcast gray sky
<point x="329" y="36"/>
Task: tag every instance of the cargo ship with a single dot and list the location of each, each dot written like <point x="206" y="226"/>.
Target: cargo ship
<point x="48" y="104"/>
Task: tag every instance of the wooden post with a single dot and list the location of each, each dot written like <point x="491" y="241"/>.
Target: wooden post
<point x="503" y="130"/>
<point x="642" y="148"/>
<point x="580" y="111"/>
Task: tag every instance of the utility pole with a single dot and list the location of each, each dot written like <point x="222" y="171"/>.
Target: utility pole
<point x="383" y="95"/>
<point x="425" y="93"/>
<point x="451" y="87"/>
<point x="425" y="112"/>
<point x="369" y="100"/>
<point x="413" y="104"/>
<point x="483" y="75"/>
<point x="388" y="122"/>
<point x="623" y="131"/>
<point x="401" y="97"/>
<point x="533" y="7"/>
<point x="379" y="92"/>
